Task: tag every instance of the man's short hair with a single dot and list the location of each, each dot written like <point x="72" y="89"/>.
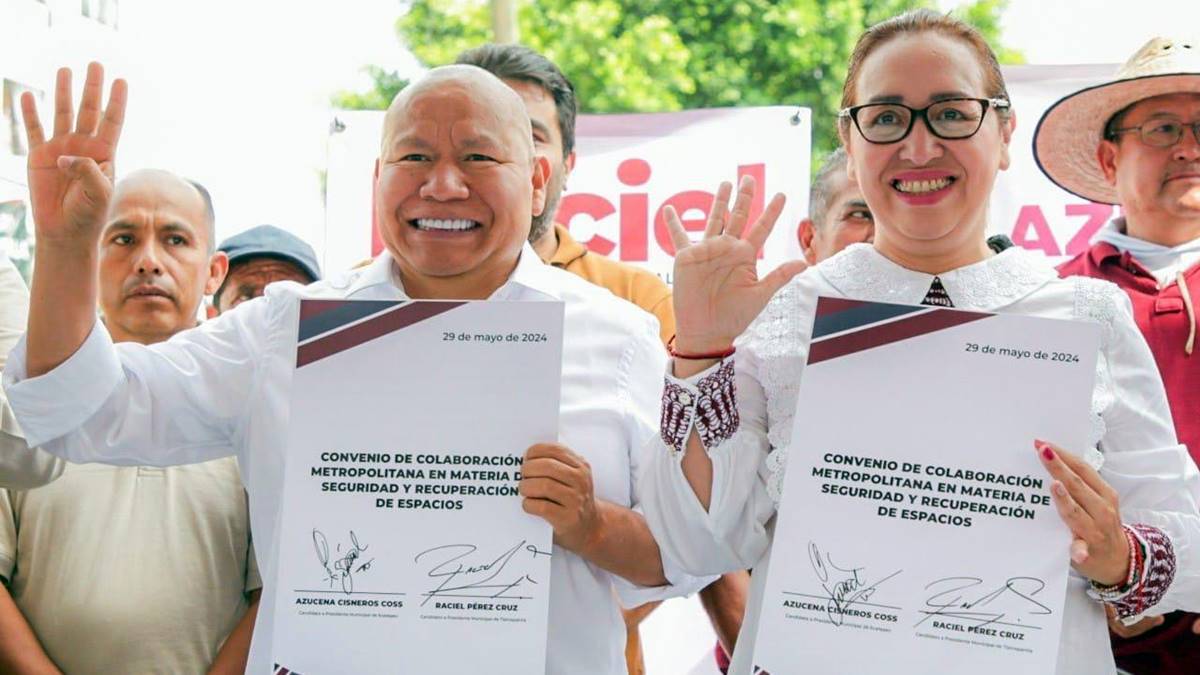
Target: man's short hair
<point x="821" y="192"/>
<point x="1115" y="122"/>
<point x="517" y="62"/>
<point x="210" y="215"/>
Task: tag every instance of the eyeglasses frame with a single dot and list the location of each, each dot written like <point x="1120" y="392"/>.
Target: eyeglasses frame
<point x="1112" y="134"/>
<point x="996" y="103"/>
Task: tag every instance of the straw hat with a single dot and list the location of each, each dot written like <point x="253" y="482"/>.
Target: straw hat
<point x="1068" y="134"/>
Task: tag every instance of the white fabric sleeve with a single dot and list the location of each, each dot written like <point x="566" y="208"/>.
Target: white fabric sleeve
<point x="732" y="534"/>
<point x="645" y="360"/>
<point x="175" y="402"/>
<point x="1153" y="473"/>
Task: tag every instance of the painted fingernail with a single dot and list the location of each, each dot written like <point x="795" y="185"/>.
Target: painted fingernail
<point x="1044" y="448"/>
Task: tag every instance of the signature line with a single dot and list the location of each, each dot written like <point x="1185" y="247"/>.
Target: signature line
<point x="974" y="616"/>
<point x="853" y="602"/>
<point x="480" y="597"/>
<point x="303" y="590"/>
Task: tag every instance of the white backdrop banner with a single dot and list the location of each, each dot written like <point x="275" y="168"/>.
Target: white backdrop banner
<point x="630" y="166"/>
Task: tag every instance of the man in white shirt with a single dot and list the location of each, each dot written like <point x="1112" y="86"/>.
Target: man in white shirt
<point x="68" y="547"/>
<point x="456" y="185"/>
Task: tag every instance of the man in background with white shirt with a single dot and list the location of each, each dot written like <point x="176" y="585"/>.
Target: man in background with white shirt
<point x="131" y="569"/>
<point x="457" y="183"/>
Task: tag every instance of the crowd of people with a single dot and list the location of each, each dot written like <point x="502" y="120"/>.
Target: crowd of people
<point x="140" y="458"/>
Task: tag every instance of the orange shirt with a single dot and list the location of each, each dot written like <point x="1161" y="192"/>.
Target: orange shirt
<point x="639" y="286"/>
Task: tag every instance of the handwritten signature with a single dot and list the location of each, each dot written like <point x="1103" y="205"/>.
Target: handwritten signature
<point x="460" y="577"/>
<point x="344" y="568"/>
<point x="964" y="598"/>
<point x="844" y="586"/>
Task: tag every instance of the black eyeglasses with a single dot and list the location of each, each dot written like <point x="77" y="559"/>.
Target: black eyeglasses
<point x="1159" y="133"/>
<point x="951" y="118"/>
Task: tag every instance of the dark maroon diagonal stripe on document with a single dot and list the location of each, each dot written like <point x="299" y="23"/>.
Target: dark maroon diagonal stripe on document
<point x="895" y="331"/>
<point x="389" y="322"/>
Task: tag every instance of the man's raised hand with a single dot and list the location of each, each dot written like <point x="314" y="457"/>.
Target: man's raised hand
<point x="71" y="173"/>
<point x="717" y="292"/>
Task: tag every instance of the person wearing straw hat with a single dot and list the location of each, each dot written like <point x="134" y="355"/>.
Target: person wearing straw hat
<point x="1135" y="141"/>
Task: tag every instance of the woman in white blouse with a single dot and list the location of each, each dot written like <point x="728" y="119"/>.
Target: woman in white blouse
<point x="927" y="125"/>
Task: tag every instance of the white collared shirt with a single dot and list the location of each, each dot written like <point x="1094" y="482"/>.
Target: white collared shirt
<point x="223" y="389"/>
<point x="1132" y="437"/>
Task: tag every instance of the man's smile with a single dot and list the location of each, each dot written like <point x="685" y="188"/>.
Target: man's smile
<point x="444" y="224"/>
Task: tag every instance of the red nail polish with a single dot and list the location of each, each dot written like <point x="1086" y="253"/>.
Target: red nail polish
<point x="1047" y="453"/>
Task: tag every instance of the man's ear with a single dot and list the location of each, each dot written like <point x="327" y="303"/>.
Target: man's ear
<point x="1007" y="127"/>
<point x="806" y="232"/>
<point x="570" y="164"/>
<point x="1106" y="154"/>
<point x="218" y="267"/>
<point x="541" y="178"/>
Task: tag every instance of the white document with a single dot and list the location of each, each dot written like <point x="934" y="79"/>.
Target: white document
<point x="403" y="547"/>
<point x="916" y="533"/>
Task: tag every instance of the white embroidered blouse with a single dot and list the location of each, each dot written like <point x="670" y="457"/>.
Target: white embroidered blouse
<point x="1133" y="440"/>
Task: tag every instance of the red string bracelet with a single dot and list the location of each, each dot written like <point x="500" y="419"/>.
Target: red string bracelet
<point x="698" y="357"/>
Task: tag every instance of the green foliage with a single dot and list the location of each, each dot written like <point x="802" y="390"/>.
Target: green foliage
<point x="660" y="55"/>
<point x="385" y="84"/>
<point x="985" y="15"/>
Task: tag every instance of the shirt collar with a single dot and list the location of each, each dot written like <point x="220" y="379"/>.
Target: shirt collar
<point x="1115" y="233"/>
<point x="861" y="272"/>
<point x="568" y="250"/>
<point x="381" y="279"/>
<point x="1102" y="251"/>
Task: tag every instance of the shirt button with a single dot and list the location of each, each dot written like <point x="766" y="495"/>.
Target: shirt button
<point x="685" y="398"/>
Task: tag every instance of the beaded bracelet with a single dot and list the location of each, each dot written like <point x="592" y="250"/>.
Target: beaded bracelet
<point x="1137" y="560"/>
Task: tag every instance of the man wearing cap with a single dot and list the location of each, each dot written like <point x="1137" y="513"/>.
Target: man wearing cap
<point x="1135" y="141"/>
<point x="260" y="256"/>
<point x="131" y="569"/>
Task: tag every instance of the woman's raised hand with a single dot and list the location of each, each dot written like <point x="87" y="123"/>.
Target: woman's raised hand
<point x="717" y="292"/>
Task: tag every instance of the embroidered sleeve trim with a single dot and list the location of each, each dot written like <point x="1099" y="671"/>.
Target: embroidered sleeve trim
<point x="1152" y="569"/>
<point x="716" y="415"/>
<point x="710" y="407"/>
<point x="677" y="412"/>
